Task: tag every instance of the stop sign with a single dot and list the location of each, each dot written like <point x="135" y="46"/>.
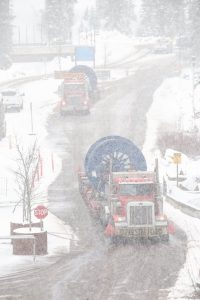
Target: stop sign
<point x="40" y="212"/>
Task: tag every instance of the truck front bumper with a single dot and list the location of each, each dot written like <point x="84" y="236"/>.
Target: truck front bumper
<point x="141" y="232"/>
<point x="74" y="109"/>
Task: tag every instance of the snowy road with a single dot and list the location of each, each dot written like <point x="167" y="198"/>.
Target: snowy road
<point x="95" y="269"/>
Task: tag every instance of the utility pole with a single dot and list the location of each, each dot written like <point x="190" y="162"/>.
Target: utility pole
<point x="59" y="56"/>
<point x="94" y="40"/>
<point x="94" y="34"/>
<point x="193" y="88"/>
<point x="193" y="81"/>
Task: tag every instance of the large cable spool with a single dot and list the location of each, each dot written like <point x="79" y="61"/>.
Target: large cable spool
<point x="112" y="153"/>
<point x="89" y="72"/>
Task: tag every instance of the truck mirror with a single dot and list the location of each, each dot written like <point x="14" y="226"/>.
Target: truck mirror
<point x="115" y="189"/>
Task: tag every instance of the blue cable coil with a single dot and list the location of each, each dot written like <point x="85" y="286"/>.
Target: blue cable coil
<point x="112" y="153"/>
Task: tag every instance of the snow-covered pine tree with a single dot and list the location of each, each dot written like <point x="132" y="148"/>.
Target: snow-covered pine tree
<point x="162" y="18"/>
<point x="194" y="26"/>
<point x="90" y="18"/>
<point x="59" y="20"/>
<point x="148" y="18"/>
<point x="116" y="15"/>
<point x="176" y="18"/>
<point x="5" y="28"/>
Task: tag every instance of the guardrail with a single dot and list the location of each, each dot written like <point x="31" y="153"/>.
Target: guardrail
<point x="11" y="297"/>
<point x="22" y="50"/>
<point x="41" y="52"/>
<point x="191" y="211"/>
<point x="21" y="80"/>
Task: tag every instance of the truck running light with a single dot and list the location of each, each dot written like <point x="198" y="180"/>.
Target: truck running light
<point x="161" y="217"/>
<point x="63" y="103"/>
<point x="85" y="102"/>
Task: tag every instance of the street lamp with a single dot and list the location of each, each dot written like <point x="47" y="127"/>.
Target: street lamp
<point x="194" y="85"/>
<point x="193" y="82"/>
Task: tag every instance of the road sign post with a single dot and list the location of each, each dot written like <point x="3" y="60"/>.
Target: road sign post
<point x="177" y="161"/>
<point x="40" y="212"/>
<point x="31" y="111"/>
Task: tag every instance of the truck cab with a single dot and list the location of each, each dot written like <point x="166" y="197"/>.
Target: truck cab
<point x="75" y="94"/>
<point x="135" y="207"/>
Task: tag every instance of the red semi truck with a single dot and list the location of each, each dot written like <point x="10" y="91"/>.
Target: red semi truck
<point x="129" y="206"/>
<point x="74" y="92"/>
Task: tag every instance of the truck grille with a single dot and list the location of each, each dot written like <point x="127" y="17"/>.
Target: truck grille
<point x="141" y="215"/>
<point x="74" y="101"/>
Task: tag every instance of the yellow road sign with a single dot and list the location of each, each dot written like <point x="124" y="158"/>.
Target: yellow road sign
<point x="177" y="158"/>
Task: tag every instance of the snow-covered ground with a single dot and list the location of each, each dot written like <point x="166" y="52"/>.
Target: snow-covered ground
<point x="172" y="109"/>
<point x="189" y="274"/>
<point x="43" y="99"/>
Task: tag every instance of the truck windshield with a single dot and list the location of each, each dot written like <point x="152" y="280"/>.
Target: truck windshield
<point x="135" y="189"/>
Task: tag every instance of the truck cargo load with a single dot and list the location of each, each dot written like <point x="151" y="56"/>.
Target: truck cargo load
<point x="78" y="91"/>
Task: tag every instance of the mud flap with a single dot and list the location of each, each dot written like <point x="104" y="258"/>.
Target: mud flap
<point x="110" y="230"/>
<point x="171" y="228"/>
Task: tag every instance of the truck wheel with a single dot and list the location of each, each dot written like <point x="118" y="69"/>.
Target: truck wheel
<point x="62" y="113"/>
<point x="86" y="112"/>
<point x="164" y="238"/>
<point x="103" y="222"/>
<point x="154" y="239"/>
<point x="115" y="240"/>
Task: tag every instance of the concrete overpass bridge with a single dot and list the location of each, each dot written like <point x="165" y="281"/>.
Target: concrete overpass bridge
<point x="38" y="52"/>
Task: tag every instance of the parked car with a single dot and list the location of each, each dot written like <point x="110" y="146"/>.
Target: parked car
<point x="12" y="100"/>
<point x="163" y="46"/>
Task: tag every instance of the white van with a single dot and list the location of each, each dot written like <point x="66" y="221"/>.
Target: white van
<point x="12" y="100"/>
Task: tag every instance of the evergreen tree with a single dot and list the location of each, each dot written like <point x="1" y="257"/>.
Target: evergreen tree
<point x="90" y="18"/>
<point x="194" y="25"/>
<point x="116" y="14"/>
<point x="148" y="18"/>
<point x="5" y="28"/>
<point x="59" y="20"/>
<point x="162" y="18"/>
<point x="176" y="18"/>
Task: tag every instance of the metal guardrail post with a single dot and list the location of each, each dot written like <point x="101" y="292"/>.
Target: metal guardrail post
<point x="34" y="255"/>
